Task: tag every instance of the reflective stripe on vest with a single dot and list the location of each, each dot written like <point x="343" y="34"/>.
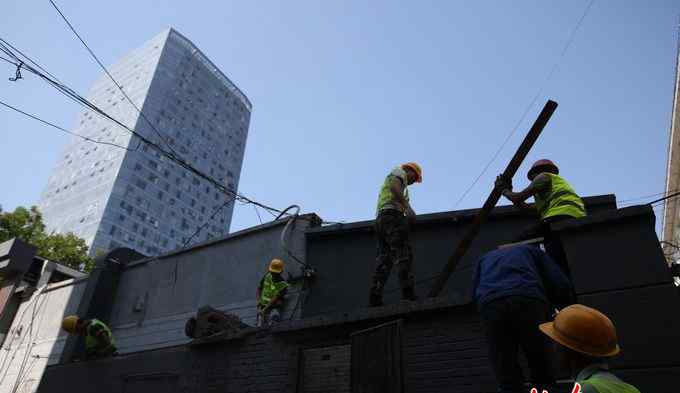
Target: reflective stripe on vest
<point x="91" y="341"/>
<point x="603" y="384"/>
<point x="560" y="200"/>
<point x="270" y="289"/>
<point x="385" y="198"/>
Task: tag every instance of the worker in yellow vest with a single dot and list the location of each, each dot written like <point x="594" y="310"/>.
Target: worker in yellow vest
<point x="392" y="228"/>
<point x="555" y="200"/>
<point x="586" y="338"/>
<point x="270" y="294"/>
<point x="98" y="337"/>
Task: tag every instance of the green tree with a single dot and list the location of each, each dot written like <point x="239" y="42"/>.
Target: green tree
<point x="27" y="225"/>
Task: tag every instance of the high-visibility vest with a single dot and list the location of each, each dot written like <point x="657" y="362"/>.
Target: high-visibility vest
<point x="91" y="342"/>
<point x="559" y="200"/>
<point x="270" y="289"/>
<point x="385" y="197"/>
<point x="604" y="384"/>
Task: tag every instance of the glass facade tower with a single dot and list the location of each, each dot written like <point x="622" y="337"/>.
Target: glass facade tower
<point x="134" y="196"/>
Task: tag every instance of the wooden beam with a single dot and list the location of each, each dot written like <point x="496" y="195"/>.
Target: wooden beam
<point x="491" y="201"/>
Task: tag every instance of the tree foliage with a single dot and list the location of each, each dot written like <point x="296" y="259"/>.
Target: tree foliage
<point x="27" y="225"/>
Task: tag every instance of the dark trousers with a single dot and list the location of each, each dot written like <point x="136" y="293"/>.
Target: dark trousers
<point x="553" y="247"/>
<point x="394" y="248"/>
<point x="510" y="323"/>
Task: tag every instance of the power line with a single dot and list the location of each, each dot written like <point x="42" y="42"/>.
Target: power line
<point x="61" y="128"/>
<point x="73" y="95"/>
<point x="640" y="198"/>
<point x="113" y="79"/>
<point x="258" y="214"/>
<point x="554" y="68"/>
<point x="207" y="222"/>
<point x="674" y="195"/>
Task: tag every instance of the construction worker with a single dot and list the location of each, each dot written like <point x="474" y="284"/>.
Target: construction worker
<point x="586" y="338"/>
<point x="392" y="227"/>
<point x="555" y="201"/>
<point x="515" y="289"/>
<point x="271" y="293"/>
<point x="98" y="337"/>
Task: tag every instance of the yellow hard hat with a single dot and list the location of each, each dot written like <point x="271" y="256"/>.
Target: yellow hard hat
<point x="583" y="329"/>
<point x="415" y="168"/>
<point x="69" y="323"/>
<point x="276" y="265"/>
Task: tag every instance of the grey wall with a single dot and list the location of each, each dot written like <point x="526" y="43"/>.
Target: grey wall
<point x="155" y="297"/>
<point x="35" y="338"/>
<point x="346" y="254"/>
<point x="443" y="344"/>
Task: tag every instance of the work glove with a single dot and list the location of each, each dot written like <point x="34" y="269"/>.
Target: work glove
<point x="502" y="183"/>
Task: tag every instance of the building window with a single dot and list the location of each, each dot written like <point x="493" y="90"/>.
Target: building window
<point x="141" y="184"/>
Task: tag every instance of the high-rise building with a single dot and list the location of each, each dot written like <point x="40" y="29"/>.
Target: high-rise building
<point x="134" y="196"/>
<point x="671" y="222"/>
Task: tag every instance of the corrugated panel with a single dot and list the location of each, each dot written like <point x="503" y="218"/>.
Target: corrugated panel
<point x="377" y="359"/>
<point x="326" y="370"/>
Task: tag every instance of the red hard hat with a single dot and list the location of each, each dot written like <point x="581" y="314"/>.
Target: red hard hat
<point x="542" y="166"/>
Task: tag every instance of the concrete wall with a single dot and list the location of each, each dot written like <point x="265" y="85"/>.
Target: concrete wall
<point x="35" y="338"/>
<point x="155" y="297"/>
<point x="616" y="263"/>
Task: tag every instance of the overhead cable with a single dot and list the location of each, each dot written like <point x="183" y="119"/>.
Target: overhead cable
<point x="552" y="71"/>
<point x="61" y="128"/>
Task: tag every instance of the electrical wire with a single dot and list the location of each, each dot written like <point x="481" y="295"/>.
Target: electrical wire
<point x="178" y="160"/>
<point x="552" y="71"/>
<point x="674" y="195"/>
<point x="258" y="214"/>
<point x="61" y="128"/>
<point x="160" y="135"/>
<point x="71" y="94"/>
<point x="207" y="222"/>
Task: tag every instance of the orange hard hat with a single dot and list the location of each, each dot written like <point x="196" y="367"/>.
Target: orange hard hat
<point x="542" y="166"/>
<point x="584" y="330"/>
<point x="70" y="323"/>
<point x="415" y="168"/>
<point x="276" y="265"/>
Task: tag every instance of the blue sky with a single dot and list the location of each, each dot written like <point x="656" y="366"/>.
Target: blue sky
<point x="343" y="91"/>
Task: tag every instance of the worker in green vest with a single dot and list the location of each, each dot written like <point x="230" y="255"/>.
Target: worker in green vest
<point x="271" y="293"/>
<point x="586" y="338"/>
<point x="393" y="213"/>
<point x="98" y="337"/>
<point x="555" y="200"/>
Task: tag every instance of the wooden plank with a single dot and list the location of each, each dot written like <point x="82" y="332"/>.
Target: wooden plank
<point x="493" y="198"/>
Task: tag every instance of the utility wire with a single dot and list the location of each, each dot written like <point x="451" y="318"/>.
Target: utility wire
<point x="258" y="214"/>
<point x="75" y="96"/>
<point x="674" y="195"/>
<point x="554" y="68"/>
<point x="640" y="198"/>
<point x="207" y="222"/>
<point x="160" y="135"/>
<point x="61" y="128"/>
<point x="28" y="58"/>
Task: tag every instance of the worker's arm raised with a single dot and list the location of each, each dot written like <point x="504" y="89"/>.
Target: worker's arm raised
<point x="539" y="184"/>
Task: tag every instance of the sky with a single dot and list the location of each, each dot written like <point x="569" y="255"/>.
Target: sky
<point x="344" y="91"/>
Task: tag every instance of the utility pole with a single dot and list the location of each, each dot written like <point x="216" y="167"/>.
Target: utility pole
<point x="491" y="201"/>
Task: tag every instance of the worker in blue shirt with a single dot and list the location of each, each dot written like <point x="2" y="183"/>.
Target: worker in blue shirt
<point x="516" y="289"/>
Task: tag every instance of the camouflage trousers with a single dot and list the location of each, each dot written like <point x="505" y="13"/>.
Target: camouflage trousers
<point x="394" y="248"/>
